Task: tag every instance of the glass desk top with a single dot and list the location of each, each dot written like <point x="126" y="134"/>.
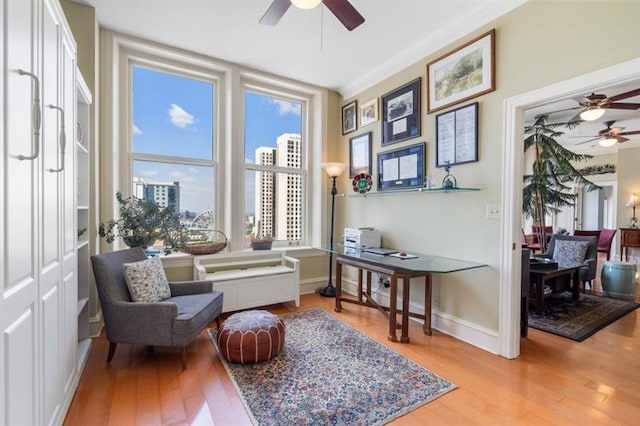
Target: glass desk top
<point x="421" y="263"/>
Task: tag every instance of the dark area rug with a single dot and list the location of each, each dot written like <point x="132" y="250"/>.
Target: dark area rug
<point x="330" y="373"/>
<point x="577" y="321"/>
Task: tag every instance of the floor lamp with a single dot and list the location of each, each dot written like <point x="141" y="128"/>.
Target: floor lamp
<point x="333" y="170"/>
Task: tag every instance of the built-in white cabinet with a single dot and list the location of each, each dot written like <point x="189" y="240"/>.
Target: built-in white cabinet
<point x="39" y="300"/>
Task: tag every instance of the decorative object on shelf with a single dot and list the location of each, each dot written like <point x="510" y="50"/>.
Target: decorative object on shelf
<point x="333" y="170"/>
<point x="598" y="170"/>
<point x="141" y="223"/>
<point x="402" y="168"/>
<point x="362" y="183"/>
<point x="260" y="241"/>
<point x="369" y="112"/>
<point x="349" y="117"/>
<point x="360" y="154"/>
<point x="81" y="232"/>
<point x="203" y="241"/>
<point x="633" y="202"/>
<point x="449" y="181"/>
<point x="401" y="113"/>
<point x="457" y="136"/>
<point x="463" y="74"/>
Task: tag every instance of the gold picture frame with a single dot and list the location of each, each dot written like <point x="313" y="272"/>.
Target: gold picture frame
<point x="463" y="74"/>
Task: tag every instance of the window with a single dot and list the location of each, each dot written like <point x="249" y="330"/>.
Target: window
<point x="275" y="171"/>
<point x="172" y="144"/>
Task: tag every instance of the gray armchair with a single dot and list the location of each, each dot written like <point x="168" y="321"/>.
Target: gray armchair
<point x="175" y="322"/>
<point x="587" y="271"/>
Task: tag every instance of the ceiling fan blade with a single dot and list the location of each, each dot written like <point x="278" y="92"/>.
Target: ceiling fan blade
<point x="575" y="117"/>
<point x="563" y="110"/>
<point x="589" y="140"/>
<point x="629" y="94"/>
<point x="618" y="105"/>
<point x="621" y="139"/>
<point x="345" y="12"/>
<point x="275" y="12"/>
<point x="631" y="132"/>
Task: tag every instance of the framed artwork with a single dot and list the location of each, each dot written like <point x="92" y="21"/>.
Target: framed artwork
<point x="349" y="117"/>
<point x="401" y="113"/>
<point x="462" y="74"/>
<point x="360" y="154"/>
<point x="402" y="168"/>
<point x="457" y="136"/>
<point x="369" y="112"/>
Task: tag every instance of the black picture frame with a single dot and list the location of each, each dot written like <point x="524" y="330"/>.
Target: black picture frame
<point x="360" y="154"/>
<point x="401" y="113"/>
<point x="349" y="117"/>
<point x="402" y="168"/>
<point x="457" y="136"/>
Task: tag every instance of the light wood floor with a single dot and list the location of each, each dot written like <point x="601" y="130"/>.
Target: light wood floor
<point x="555" y="381"/>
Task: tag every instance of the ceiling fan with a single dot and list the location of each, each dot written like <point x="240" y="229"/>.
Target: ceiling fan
<point x="611" y="135"/>
<point x="342" y="9"/>
<point x="594" y="105"/>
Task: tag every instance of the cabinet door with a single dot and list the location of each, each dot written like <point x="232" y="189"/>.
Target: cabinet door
<point x="19" y="345"/>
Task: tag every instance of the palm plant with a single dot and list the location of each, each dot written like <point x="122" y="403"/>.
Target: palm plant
<point x="545" y="190"/>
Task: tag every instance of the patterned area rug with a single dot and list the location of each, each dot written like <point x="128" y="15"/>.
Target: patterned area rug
<point x="331" y="373"/>
<point x="565" y="318"/>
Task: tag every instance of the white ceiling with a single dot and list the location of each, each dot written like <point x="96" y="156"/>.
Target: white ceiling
<point x="306" y="45"/>
<point x="575" y="139"/>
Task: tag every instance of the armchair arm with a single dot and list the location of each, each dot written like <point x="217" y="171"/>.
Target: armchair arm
<point x="181" y="288"/>
<point x="141" y="322"/>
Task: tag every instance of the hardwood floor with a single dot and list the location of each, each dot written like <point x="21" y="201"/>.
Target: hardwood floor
<point x="555" y="381"/>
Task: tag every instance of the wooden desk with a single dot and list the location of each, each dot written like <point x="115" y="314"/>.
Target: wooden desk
<point x="540" y="276"/>
<point x="398" y="270"/>
<point x="629" y="237"/>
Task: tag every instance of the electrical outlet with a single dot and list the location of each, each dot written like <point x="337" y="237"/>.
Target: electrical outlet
<point x="493" y="211"/>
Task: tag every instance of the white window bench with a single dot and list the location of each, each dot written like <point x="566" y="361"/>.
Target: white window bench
<point x="251" y="279"/>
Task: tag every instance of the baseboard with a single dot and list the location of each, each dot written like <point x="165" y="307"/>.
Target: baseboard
<point x="95" y="325"/>
<point x="451" y="325"/>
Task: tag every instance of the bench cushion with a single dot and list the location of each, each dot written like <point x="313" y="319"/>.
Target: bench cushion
<point x="235" y="274"/>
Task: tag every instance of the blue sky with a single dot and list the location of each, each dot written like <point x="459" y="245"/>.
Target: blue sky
<point x="172" y="115"/>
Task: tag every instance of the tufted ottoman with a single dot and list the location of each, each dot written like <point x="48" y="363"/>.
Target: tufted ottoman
<point x="250" y="337"/>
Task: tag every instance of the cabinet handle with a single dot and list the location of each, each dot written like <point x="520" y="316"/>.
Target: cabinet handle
<point x="35" y="118"/>
<point x="62" y="138"/>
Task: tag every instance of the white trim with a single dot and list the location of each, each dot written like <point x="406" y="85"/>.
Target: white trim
<point x="471" y="22"/>
<point x="509" y="318"/>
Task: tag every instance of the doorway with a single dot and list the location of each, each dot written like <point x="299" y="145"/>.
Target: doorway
<point x="509" y="318"/>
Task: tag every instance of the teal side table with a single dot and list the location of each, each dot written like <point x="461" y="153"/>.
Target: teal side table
<point x="619" y="280"/>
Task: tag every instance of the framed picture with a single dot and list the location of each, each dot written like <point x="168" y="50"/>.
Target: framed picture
<point x="457" y="136"/>
<point x="463" y="74"/>
<point x="401" y="168"/>
<point x="360" y="154"/>
<point x="369" y="112"/>
<point x="349" y="117"/>
<point x="401" y="113"/>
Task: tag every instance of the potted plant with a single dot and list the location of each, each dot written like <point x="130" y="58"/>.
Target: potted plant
<point x="141" y="223"/>
<point x="545" y="189"/>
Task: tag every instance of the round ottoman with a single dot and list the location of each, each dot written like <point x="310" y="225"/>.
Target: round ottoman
<point x="250" y="337"/>
<point x="618" y="280"/>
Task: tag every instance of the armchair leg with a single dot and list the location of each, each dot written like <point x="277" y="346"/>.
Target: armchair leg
<point x="112" y="350"/>
<point x="184" y="358"/>
<point x="218" y="322"/>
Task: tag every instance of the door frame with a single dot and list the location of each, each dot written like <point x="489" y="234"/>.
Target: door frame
<point x="512" y="170"/>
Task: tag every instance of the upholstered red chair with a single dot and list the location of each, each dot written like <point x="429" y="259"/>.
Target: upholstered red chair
<point x="535" y="230"/>
<point x="533" y="246"/>
<point x="605" y="240"/>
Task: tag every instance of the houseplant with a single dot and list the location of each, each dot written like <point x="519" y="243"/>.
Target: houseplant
<point x="546" y="190"/>
<point x="141" y="223"/>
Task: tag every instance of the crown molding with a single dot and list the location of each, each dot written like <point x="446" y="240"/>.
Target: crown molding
<point x="471" y="21"/>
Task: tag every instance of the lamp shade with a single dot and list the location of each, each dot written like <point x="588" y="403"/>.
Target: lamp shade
<point x="305" y="4"/>
<point x="633" y="200"/>
<point x="334" y="169"/>
<point x="591" y="114"/>
<point x="607" y="142"/>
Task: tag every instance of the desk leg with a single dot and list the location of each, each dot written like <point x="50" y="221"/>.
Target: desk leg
<point x="426" y="327"/>
<point x="404" y="338"/>
<point x="575" y="286"/>
<point x="540" y="295"/>
<point x="393" y="302"/>
<point x="338" y="307"/>
<point x="360" y="284"/>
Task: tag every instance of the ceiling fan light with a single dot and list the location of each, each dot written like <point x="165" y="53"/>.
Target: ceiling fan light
<point x="306" y="4"/>
<point x="591" y="114"/>
<point x="607" y="142"/>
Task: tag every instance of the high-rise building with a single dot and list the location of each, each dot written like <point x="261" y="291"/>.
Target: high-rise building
<point x="163" y="194"/>
<point x="278" y="198"/>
